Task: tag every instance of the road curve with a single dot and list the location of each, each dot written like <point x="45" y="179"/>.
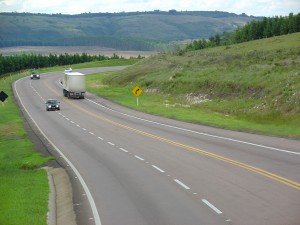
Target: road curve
<point x="141" y="169"/>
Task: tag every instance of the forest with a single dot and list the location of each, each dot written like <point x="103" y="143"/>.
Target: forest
<point x="10" y="64"/>
<point x="256" y="29"/>
<point x="137" y="31"/>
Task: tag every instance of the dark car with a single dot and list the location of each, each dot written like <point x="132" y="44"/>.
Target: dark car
<point x="34" y="75"/>
<point x="52" y="104"/>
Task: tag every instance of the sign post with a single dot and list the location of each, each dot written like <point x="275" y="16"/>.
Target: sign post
<point x="137" y="91"/>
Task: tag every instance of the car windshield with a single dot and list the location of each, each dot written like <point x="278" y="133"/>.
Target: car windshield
<point x="52" y="101"/>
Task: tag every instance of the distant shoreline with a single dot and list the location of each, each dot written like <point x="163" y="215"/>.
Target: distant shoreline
<point x="90" y="50"/>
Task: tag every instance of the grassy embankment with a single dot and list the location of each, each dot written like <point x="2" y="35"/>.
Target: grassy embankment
<point x="24" y="187"/>
<point x="252" y="87"/>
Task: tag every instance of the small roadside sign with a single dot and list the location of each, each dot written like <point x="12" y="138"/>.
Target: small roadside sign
<point x="3" y="96"/>
<point x="137" y="91"/>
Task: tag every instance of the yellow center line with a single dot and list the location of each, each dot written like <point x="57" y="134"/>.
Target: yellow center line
<point x="262" y="172"/>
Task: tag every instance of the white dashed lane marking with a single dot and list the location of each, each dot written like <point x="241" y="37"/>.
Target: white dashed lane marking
<point x="110" y="143"/>
<point x="124" y="150"/>
<point x="182" y="184"/>
<point x="157" y="168"/>
<point x="211" y="206"/>
<point x="136" y="156"/>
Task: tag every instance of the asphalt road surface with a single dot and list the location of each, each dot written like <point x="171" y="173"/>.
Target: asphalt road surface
<point x="131" y="168"/>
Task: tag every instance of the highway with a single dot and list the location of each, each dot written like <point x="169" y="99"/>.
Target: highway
<point x="139" y="169"/>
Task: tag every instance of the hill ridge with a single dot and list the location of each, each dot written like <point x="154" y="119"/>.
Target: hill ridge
<point x="159" y="26"/>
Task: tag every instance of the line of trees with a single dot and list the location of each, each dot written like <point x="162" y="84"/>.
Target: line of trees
<point x="10" y="64"/>
<point x="268" y="27"/>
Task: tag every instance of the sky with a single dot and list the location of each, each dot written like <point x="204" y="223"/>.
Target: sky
<point x="268" y="8"/>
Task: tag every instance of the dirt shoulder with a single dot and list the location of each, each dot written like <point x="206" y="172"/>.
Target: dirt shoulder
<point x="60" y="198"/>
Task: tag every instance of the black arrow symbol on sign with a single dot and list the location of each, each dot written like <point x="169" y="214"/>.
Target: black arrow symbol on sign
<point x="137" y="91"/>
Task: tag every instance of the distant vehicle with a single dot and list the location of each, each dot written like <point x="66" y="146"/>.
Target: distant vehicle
<point x="34" y="75"/>
<point x="68" y="70"/>
<point x="74" y="85"/>
<point x="52" y="104"/>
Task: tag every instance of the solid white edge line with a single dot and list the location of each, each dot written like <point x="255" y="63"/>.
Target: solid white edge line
<point x="200" y="133"/>
<point x="211" y="206"/>
<point x="157" y="168"/>
<point x="182" y="184"/>
<point x="85" y="187"/>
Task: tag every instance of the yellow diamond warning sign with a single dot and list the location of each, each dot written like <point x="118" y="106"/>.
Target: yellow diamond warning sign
<point x="137" y="91"/>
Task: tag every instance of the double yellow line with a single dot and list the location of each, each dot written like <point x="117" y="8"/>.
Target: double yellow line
<point x="262" y="172"/>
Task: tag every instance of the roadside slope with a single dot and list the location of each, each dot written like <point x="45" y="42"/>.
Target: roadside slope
<point x="252" y="86"/>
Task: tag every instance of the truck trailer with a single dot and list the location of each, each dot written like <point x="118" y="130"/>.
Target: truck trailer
<point x="74" y="85"/>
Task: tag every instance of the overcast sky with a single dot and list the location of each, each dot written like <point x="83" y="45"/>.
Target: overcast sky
<point x="267" y="8"/>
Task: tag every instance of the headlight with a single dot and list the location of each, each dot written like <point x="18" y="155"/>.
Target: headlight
<point x="31" y="75"/>
<point x="57" y="106"/>
<point x="49" y="106"/>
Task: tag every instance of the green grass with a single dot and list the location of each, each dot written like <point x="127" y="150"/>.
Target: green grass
<point x="23" y="186"/>
<point x="251" y="87"/>
<point x="24" y="197"/>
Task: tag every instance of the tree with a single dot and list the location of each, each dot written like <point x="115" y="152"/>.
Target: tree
<point x="218" y="39"/>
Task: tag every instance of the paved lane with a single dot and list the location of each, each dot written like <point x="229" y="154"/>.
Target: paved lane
<point x="143" y="169"/>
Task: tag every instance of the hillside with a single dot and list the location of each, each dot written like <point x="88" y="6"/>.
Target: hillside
<point x="251" y="86"/>
<point x="137" y="31"/>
